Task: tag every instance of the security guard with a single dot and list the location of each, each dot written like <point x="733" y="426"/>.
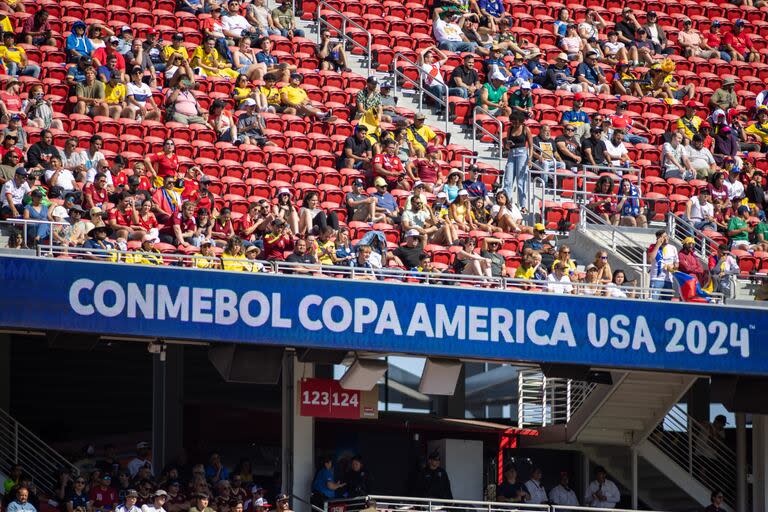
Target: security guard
<point x="432" y="481"/>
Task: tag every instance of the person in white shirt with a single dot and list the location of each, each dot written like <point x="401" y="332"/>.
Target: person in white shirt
<point x="57" y="176"/>
<point x="734" y="186"/>
<point x="536" y="488"/>
<point x="562" y="494"/>
<point x="131" y="496"/>
<point x="700" y="211"/>
<point x="558" y="281"/>
<point x="13" y="192"/>
<point x="702" y="160"/>
<point x="615" y="150"/>
<point x="158" y="500"/>
<point x="601" y="492"/>
<point x="449" y="34"/>
<point x="674" y="160"/>
<point x="664" y="261"/>
<point x="234" y="23"/>
<point x="142" y="459"/>
<point x="93" y="154"/>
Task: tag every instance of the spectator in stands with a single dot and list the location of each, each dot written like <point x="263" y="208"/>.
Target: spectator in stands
<point x="40" y="153"/>
<point x="163" y="163"/>
<point x="510" y="489"/>
<point x="692" y="44"/>
<point x="295" y="101"/>
<point x="725" y="97"/>
<point x="568" y="147"/>
<point x="207" y="62"/>
<point x="387" y="165"/>
<point x="90" y="96"/>
<point x="558" y="76"/>
<point x="575" y="116"/>
<point x="544" y="151"/>
<point x="739" y="45"/>
<point x="158" y="498"/>
<point x="301" y="257"/>
<point x="562" y="494"/>
<point x="464" y="79"/>
<point x="420" y="135"/>
<point x="313" y="218"/>
<point x="409" y="255"/>
<point x="460" y="211"/>
<point x="447" y="30"/>
<point x="759" y="129"/>
<point x="701" y="159"/>
<point x="332" y="54"/>
<point x="37" y="29"/>
<point x="726" y="145"/>
<point x="14" y="58"/>
<point x="39" y="110"/>
<point x="723" y="268"/>
<point x="674" y="160"/>
<point x="521" y="101"/>
<point x="183" y="106"/>
<point x="493" y="95"/>
<point x="13" y="193"/>
<point x="739" y="229"/>
<point x="628" y="209"/>
<point x="559" y="281"/>
<point x="621" y="121"/>
<point x="717" y="189"/>
<point x="519" y="144"/>
<point x="129" y="505"/>
<point x="77" y="498"/>
<point x="10" y="100"/>
<point x="77" y="44"/>
<point x="386" y="204"/>
<point x="656" y="34"/>
<point x="234" y="24"/>
<point x="590" y="76"/>
<point x="592" y="285"/>
<point x="368" y="97"/>
<point x="103" y="496"/>
<point x="601" y="492"/>
<point x="616" y="288"/>
<point x="615" y="150"/>
<point x="690" y="262"/>
<point x="284" y="21"/>
<point x="360" y="206"/>
<point x="716" y="499"/>
<point x="689" y="123"/>
<point x="593" y="148"/>
<point x="467" y="262"/>
<point x="490" y="251"/>
<point x="357" y="152"/>
<point x="259" y="16"/>
<point x="223" y="228"/>
<point x="278" y="70"/>
<point x="664" y="262"/>
<point x="21" y="503"/>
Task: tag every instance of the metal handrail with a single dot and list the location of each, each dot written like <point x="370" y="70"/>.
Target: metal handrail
<point x="496" y="140"/>
<point x="545" y="401"/>
<point x="38" y="459"/>
<point x="706" y="458"/>
<point x="345" y="20"/>
<point x="429" y="504"/>
<point x="707" y="245"/>
<point x="406" y="276"/>
<point x="620" y="171"/>
<point x="420" y="86"/>
<point x="27" y="222"/>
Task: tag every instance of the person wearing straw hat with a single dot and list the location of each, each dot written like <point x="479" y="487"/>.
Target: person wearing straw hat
<point x="97" y="240"/>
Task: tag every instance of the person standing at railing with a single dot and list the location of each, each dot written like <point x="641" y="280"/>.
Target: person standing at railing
<point x="519" y="144"/>
<point x="536" y="488"/>
<point x="37" y="211"/>
<point x="664" y="262"/>
<point x="433" y="481"/>
<point x="510" y="490"/>
<point x="562" y="494"/>
<point x="601" y="492"/>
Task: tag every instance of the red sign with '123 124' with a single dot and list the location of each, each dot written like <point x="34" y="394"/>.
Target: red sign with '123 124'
<point x="325" y="398"/>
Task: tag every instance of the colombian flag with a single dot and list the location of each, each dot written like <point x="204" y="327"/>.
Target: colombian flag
<point x="690" y="291"/>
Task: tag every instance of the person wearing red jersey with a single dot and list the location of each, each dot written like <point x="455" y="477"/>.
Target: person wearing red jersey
<point x="167" y="200"/>
<point x="123" y="216"/>
<point x="388" y="166"/>
<point x="256" y="220"/>
<point x="180" y="227"/>
<point x="145" y="220"/>
<point x="163" y="163"/>
<point x="103" y="496"/>
<point x="277" y="241"/>
<point x="95" y="194"/>
<point x="739" y="45"/>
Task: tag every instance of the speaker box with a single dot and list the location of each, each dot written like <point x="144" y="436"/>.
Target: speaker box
<point x="363" y="374"/>
<point x="312" y="355"/>
<point x="72" y="341"/>
<point x="440" y="376"/>
<point x="246" y="364"/>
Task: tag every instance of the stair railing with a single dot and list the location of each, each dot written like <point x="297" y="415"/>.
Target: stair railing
<point x="545" y="401"/>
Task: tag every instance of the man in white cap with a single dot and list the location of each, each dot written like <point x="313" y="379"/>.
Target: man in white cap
<point x="251" y="126"/>
<point x="418" y="218"/>
<point x="493" y="95"/>
<point x="559" y="77"/>
<point x="409" y="255"/>
<point x="522" y="100"/>
<point x="142" y="455"/>
<point x="158" y="500"/>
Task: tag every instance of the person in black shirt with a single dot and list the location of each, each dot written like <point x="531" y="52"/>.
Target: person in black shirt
<point x="432" y="481"/>
<point x="568" y="147"/>
<point x="357" y="152"/>
<point x="593" y="148"/>
<point x="717" y="502"/>
<point x="465" y="78"/>
<point x="511" y="490"/>
<point x="357" y="478"/>
<point x="410" y="253"/>
<point x="301" y="257"/>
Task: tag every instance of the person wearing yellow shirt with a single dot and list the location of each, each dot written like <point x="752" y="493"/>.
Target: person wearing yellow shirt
<point x="147" y="255"/>
<point x="233" y="257"/>
<point x="5" y="23"/>
<point x="295" y="101"/>
<point x="252" y="264"/>
<point x="207" y="61"/>
<point x="690" y="122"/>
<point x="760" y="127"/>
<point x="420" y="135"/>
<point x="272" y="93"/>
<point x="207" y="258"/>
<point x="114" y="96"/>
<point x="326" y="247"/>
<point x="527" y="269"/>
<point x="175" y="48"/>
<point x="15" y="58"/>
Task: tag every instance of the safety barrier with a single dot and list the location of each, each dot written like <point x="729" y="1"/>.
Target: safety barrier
<point x="543" y="401"/>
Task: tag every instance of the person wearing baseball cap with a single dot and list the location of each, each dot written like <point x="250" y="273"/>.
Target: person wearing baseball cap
<point x="558" y="76"/>
<point x="251" y="125"/>
<point x="575" y="116"/>
<point x="493" y="95"/>
<point x="420" y="135"/>
<point x="590" y="76"/>
<point x="690" y="263"/>
<point x="690" y="122"/>
<point x="739" y="45"/>
<point x="408" y="256"/>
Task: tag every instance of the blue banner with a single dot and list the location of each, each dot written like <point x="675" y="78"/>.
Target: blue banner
<point x="176" y="303"/>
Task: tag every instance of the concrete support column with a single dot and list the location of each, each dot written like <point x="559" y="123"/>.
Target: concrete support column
<point x="741" y="462"/>
<point x="298" y="450"/>
<point x="167" y="406"/>
<point x="635" y="489"/>
<point x="760" y="462"/>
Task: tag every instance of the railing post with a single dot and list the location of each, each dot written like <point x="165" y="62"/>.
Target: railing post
<point x="690" y="445"/>
<point x="15" y="442"/>
<point x="568" y="402"/>
<point x="474" y="128"/>
<point x="421" y="90"/>
<point x="370" y="53"/>
<point x="520" y="399"/>
<point x="543" y="400"/>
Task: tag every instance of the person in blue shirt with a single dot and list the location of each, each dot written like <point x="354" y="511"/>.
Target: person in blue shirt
<point x="215" y="470"/>
<point x="21" y="503"/>
<point x="385" y="202"/>
<point x="76" y="74"/>
<point x="78" y="44"/>
<point x="591" y="78"/>
<point x="576" y="116"/>
<point x="325" y="482"/>
<point x="491" y="8"/>
<point x="519" y="72"/>
<point x="562" y="22"/>
<point x="474" y="184"/>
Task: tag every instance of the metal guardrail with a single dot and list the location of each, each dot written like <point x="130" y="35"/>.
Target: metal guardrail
<point x="544" y="401"/>
<point x="705" y="457"/>
<point x="392" y="274"/>
<point x="419" y="86"/>
<point x="405" y="503"/>
<point x="27" y="222"/>
<point x="19" y="445"/>
<point x="497" y="140"/>
<point x="679" y="228"/>
<point x="345" y="21"/>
